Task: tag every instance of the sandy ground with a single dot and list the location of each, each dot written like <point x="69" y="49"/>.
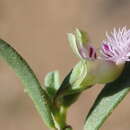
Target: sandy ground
<point x="37" y="29"/>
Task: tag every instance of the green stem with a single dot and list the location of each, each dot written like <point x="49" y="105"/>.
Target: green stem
<point x="60" y="117"/>
<point x="60" y="114"/>
<point x="32" y="85"/>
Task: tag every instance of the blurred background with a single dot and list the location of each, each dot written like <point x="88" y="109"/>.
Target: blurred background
<point x="37" y="29"/>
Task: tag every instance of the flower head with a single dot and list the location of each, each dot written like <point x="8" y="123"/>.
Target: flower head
<point x="116" y="48"/>
<point x="108" y="64"/>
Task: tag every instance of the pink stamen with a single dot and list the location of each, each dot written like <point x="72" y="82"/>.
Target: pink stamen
<point x="106" y="47"/>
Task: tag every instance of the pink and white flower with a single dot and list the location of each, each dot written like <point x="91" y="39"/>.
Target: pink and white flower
<point x="116" y="48"/>
<point x="108" y="61"/>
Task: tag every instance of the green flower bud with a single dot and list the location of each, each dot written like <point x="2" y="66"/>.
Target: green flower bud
<point x="88" y="73"/>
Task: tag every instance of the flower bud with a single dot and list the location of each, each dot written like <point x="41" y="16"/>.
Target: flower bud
<point x="88" y="73"/>
<point x="102" y="72"/>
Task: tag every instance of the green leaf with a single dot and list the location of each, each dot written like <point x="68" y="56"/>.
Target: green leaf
<point x="77" y="40"/>
<point x="52" y="83"/>
<point x="27" y="76"/>
<point x="82" y="37"/>
<point x="111" y="95"/>
<point x="73" y="44"/>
